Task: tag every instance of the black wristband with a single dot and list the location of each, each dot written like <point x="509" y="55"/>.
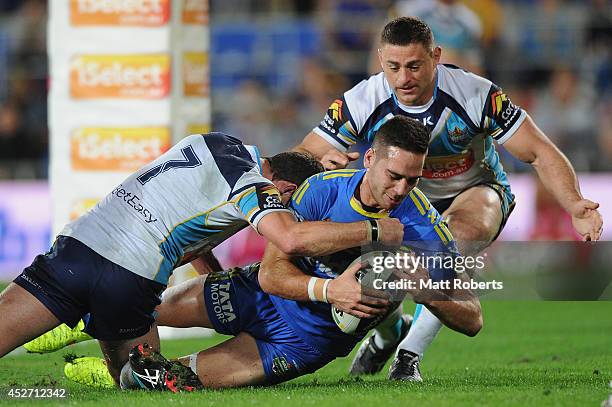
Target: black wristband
<point x="374" y="226"/>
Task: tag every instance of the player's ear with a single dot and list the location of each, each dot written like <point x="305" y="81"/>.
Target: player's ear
<point x="289" y="188"/>
<point x="286" y="189"/>
<point x="437" y="54"/>
<point x="369" y="157"/>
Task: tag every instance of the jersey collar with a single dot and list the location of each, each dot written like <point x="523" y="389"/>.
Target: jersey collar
<point x="359" y="207"/>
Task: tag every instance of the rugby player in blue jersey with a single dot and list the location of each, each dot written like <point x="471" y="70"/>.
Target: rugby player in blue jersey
<point x="280" y="312"/>
<point x="462" y="176"/>
<point x="113" y="262"/>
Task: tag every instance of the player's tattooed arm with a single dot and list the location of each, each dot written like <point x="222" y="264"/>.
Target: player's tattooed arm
<point x="529" y="144"/>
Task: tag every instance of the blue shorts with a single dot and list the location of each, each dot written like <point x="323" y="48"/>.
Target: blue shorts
<point x="236" y="303"/>
<point x="72" y="280"/>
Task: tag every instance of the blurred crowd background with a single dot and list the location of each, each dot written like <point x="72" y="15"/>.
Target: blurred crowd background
<point x="276" y="65"/>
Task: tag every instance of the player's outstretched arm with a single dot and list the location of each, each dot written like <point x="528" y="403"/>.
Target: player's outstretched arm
<point x="279" y="276"/>
<point x="529" y="144"/>
<point x="321" y="238"/>
<point x="330" y="156"/>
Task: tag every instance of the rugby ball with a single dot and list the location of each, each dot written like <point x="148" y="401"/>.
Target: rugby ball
<point x="366" y="277"/>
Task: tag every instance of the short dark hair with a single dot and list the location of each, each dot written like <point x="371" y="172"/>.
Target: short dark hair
<point x="294" y="167"/>
<point x="407" y="30"/>
<point x="402" y="132"/>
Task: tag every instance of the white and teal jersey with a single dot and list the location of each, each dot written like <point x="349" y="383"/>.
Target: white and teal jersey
<point x="190" y="199"/>
<point x="465" y="115"/>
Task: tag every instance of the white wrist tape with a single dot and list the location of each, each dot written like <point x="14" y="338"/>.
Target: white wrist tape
<point x="311" y="285"/>
<point x="325" y="284"/>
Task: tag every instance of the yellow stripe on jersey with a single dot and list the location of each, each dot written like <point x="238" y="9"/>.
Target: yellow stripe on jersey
<point x="359" y="209"/>
<point x="441" y="234"/>
<point x="346" y="139"/>
<point x="424" y="200"/>
<point x="417" y="203"/>
<point x="330" y="176"/>
<point x="206" y="213"/>
<point x="445" y="230"/>
<point x="251" y="212"/>
<point x="300" y="188"/>
<point x="240" y="195"/>
<point x="340" y="171"/>
<point x="300" y="195"/>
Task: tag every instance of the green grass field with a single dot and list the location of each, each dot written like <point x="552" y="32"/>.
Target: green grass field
<point x="528" y="353"/>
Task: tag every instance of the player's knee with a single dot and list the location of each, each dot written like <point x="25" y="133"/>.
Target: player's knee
<point x="472" y="229"/>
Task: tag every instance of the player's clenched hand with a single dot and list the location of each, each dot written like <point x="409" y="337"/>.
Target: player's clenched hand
<point x="335" y="160"/>
<point x="587" y="220"/>
<point x="345" y="293"/>
<point x="391" y="230"/>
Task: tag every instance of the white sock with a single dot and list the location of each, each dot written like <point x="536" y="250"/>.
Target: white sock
<point x="193" y="362"/>
<point x="424" y="329"/>
<point x="387" y="333"/>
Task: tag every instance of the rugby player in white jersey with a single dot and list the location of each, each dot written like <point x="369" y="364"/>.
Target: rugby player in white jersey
<point x="113" y="262"/>
<point x="463" y="176"/>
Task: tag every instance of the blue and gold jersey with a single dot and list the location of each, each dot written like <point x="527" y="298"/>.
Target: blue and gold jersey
<point x="330" y="196"/>
<point x="464" y="116"/>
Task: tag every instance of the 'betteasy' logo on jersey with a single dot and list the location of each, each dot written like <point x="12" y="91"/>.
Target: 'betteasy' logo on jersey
<point x="117" y="149"/>
<point x="134" y="201"/>
<point x="447" y="166"/>
<point x="222" y="306"/>
<point x="195" y="74"/>
<point x="120" y="76"/>
<point x="147" y="13"/>
<point x="81" y="206"/>
<point x="269" y="197"/>
<point x="195" y="12"/>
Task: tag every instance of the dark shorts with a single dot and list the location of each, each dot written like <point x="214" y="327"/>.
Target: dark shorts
<point x="72" y="280"/>
<point x="236" y="303"/>
<point x="506" y="197"/>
